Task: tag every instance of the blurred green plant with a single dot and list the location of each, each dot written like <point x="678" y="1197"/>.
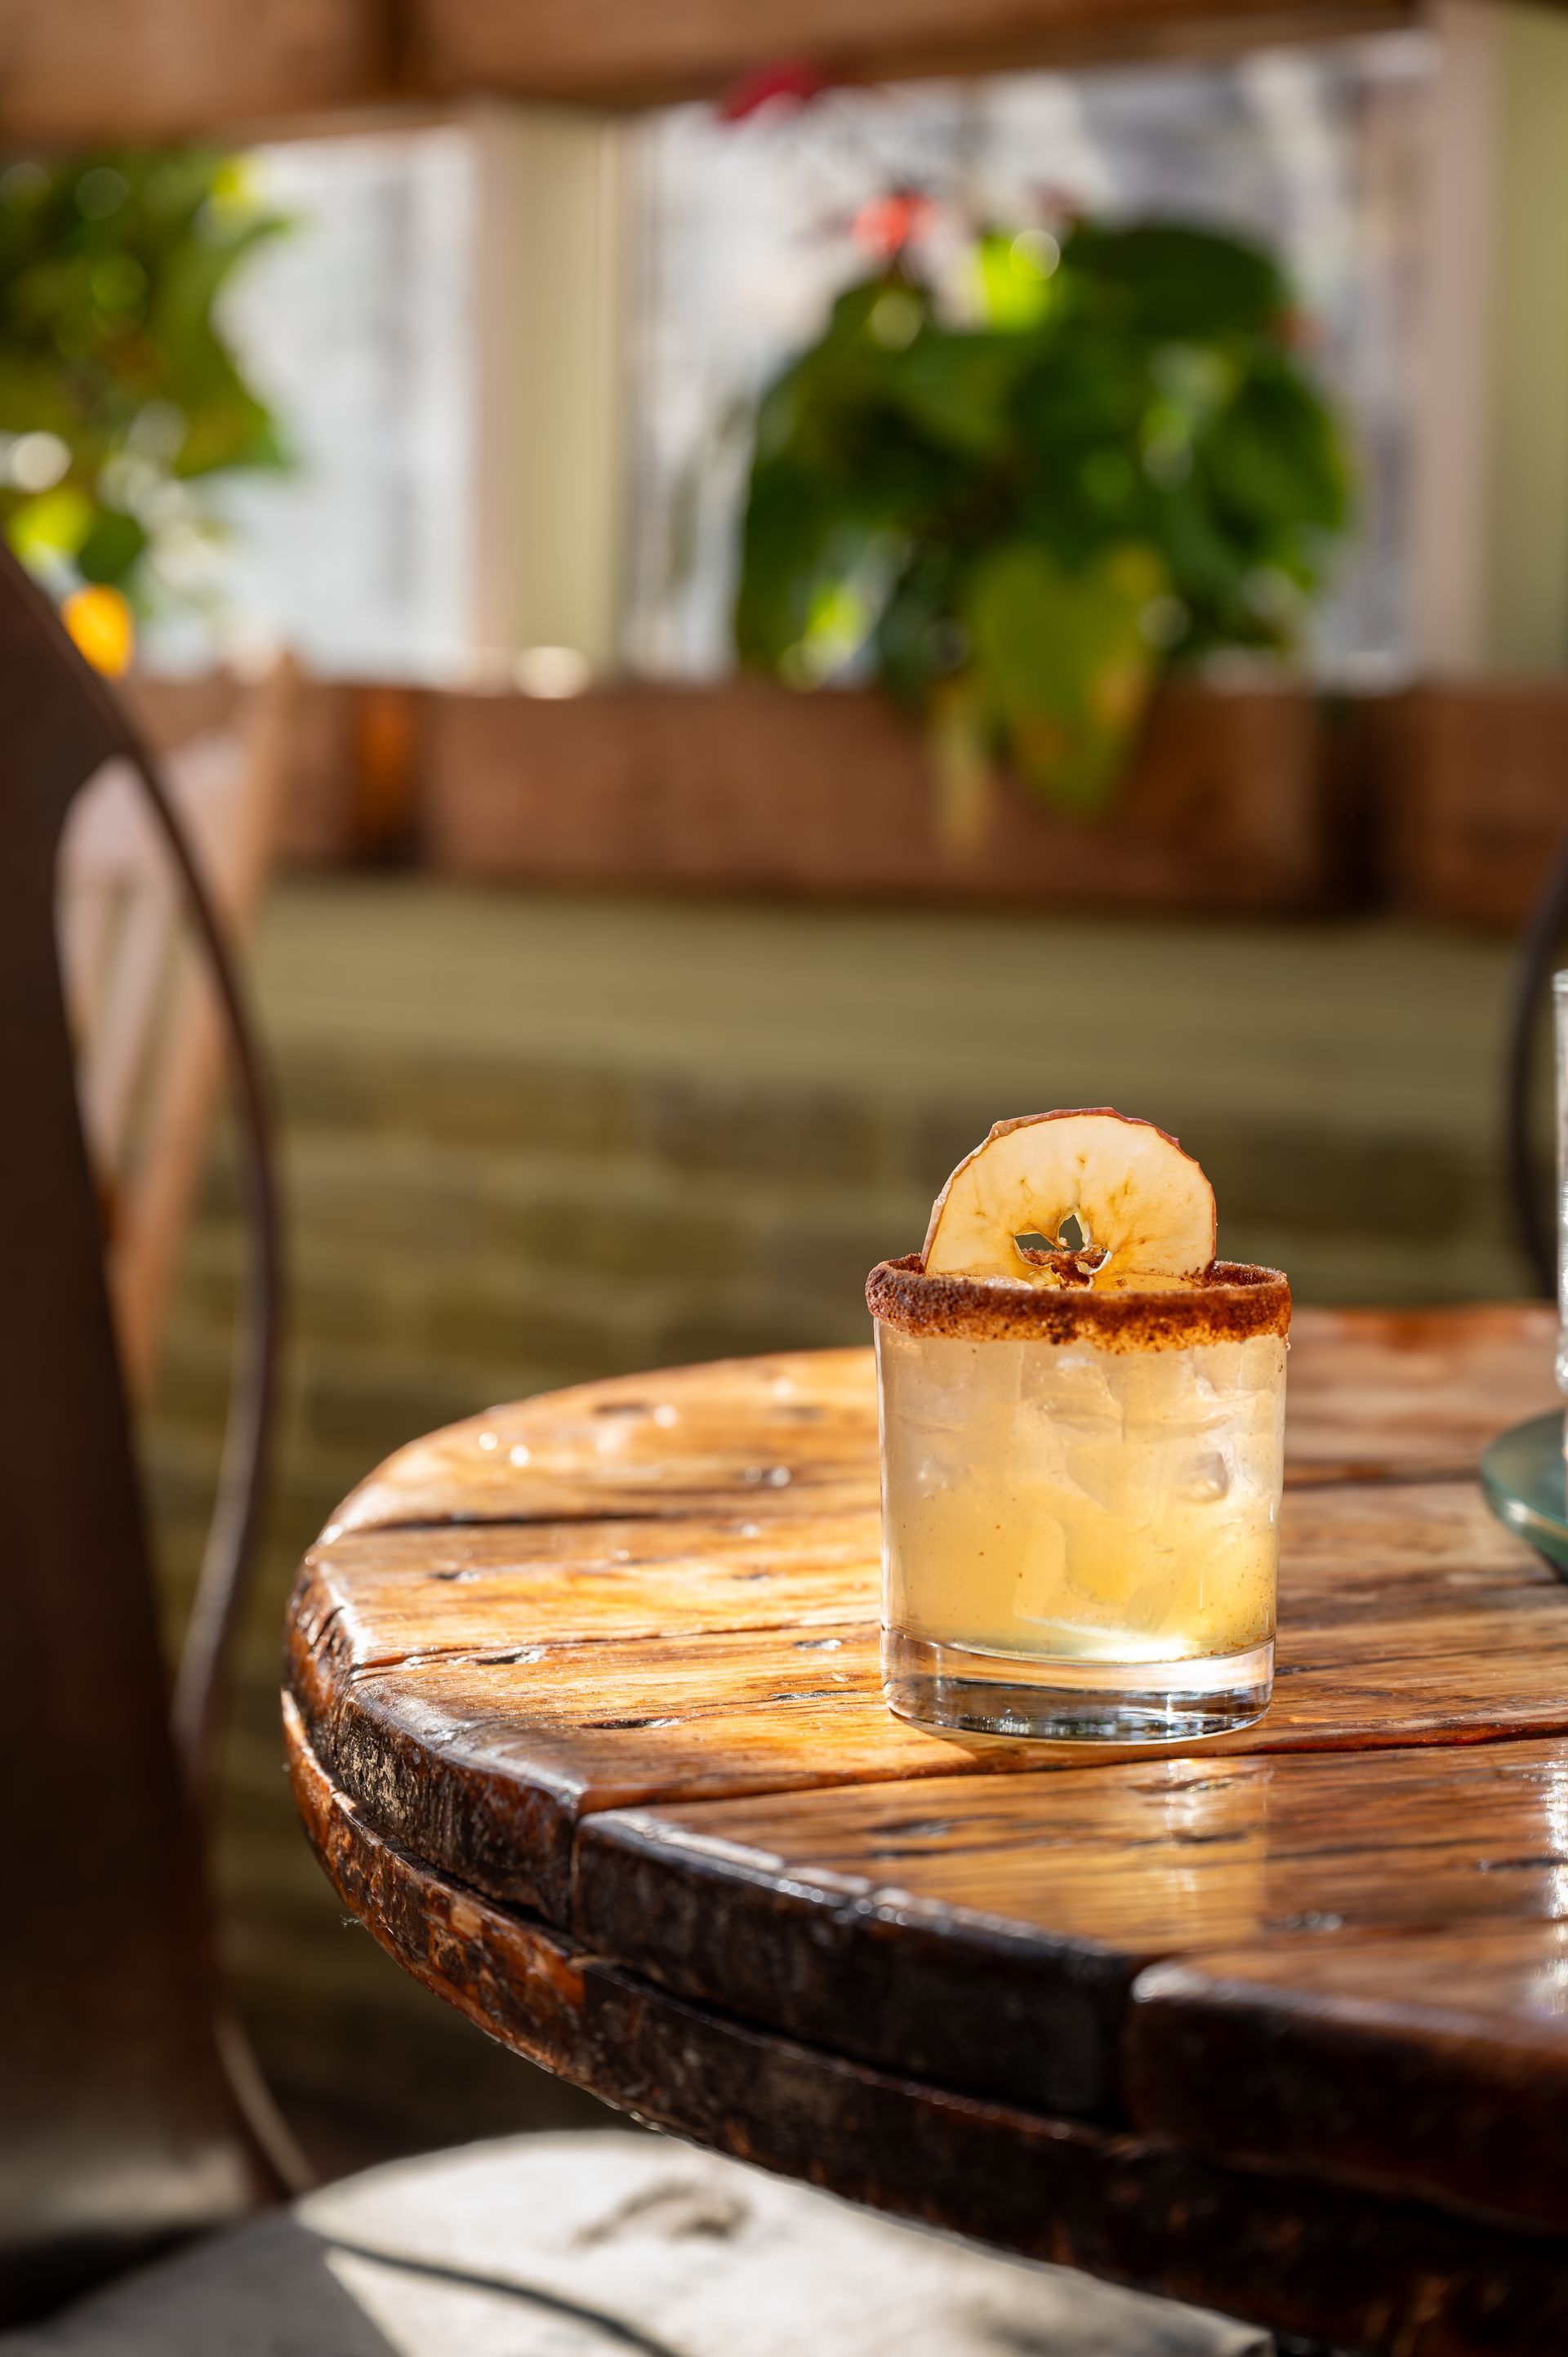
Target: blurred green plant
<point x="119" y="391"/>
<point x="1016" y="525"/>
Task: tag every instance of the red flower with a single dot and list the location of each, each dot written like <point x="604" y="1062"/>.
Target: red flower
<point x="885" y="225"/>
<point x="795" y="80"/>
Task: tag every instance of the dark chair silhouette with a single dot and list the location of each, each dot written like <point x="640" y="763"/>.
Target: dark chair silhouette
<point x="121" y="2122"/>
<point x="1534" y="1225"/>
<point x="131" y="2115"/>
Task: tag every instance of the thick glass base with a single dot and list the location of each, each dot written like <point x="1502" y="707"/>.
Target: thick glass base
<point x="1074" y="1700"/>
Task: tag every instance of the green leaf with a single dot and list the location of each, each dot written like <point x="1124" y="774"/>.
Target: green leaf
<point x="956" y="389"/>
<point x="54" y="524"/>
<point x="1014" y="277"/>
<point x="112" y="266"/>
<point x="1168" y="280"/>
<point x="787" y="535"/>
<point x="1065" y="666"/>
<point x="1274" y="456"/>
<point x="110" y="551"/>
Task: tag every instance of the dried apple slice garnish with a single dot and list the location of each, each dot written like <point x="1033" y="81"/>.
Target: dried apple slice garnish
<point x="1074" y="1198"/>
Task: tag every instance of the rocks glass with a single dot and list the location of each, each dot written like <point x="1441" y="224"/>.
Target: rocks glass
<point x="1081" y="1502"/>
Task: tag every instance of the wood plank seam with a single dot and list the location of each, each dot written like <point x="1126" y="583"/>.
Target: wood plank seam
<point x="869" y="1917"/>
<point x="1432" y="2058"/>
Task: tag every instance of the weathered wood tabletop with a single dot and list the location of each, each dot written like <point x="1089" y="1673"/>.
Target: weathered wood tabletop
<point x="584" y="1723"/>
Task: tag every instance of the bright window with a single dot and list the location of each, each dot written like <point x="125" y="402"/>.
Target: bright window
<point x="748" y="231"/>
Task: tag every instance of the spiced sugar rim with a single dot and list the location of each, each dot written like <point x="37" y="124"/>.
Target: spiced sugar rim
<point x="1231" y="1301"/>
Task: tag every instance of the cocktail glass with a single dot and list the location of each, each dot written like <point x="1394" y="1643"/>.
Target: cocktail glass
<point x="1080" y="1503"/>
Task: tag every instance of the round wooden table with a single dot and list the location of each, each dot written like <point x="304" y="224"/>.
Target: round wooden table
<point x="584" y="1723"/>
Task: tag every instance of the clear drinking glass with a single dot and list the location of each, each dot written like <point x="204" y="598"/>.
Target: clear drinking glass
<point x="1081" y="1502"/>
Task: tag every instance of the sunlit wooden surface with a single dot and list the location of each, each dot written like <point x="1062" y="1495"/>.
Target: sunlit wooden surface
<point x="584" y="1723"/>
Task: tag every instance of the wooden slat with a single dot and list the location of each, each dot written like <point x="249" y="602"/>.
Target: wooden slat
<point x="379" y="1598"/>
<point x="1372" y="1394"/>
<point x="1303" y="2258"/>
<point x="986" y="1933"/>
<point x="758" y="1436"/>
<point x="485" y="1766"/>
<point x="148" y="1032"/>
<point x="103" y="70"/>
<point x="227" y="791"/>
<point x="1412" y="1392"/>
<point x="80" y="72"/>
<point x="114" y="1055"/>
<point x="1406" y="1615"/>
<point x="608" y="52"/>
<point x="1436" y="2064"/>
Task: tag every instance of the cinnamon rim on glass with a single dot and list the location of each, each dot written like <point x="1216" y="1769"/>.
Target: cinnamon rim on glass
<point x="1228" y="1301"/>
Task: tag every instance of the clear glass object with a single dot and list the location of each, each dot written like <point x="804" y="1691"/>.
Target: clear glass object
<point x="1526" y="1485"/>
<point x="1080" y="1530"/>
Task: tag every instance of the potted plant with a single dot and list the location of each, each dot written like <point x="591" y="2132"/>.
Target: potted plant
<point x="1017" y="521"/>
<point x="1013" y="525"/>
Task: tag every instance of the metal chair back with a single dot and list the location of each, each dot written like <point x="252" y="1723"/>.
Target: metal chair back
<point x="1535" y="1228"/>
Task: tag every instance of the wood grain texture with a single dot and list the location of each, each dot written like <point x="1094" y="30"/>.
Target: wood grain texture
<point x="381" y="1597"/>
<point x="763" y="1436"/>
<point x="1436" y="2064"/>
<point x="1379" y="1393"/>
<point x="373" y="1599"/>
<point x="986" y="1934"/>
<point x="479" y="1720"/>
<point x="1351" y="2269"/>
